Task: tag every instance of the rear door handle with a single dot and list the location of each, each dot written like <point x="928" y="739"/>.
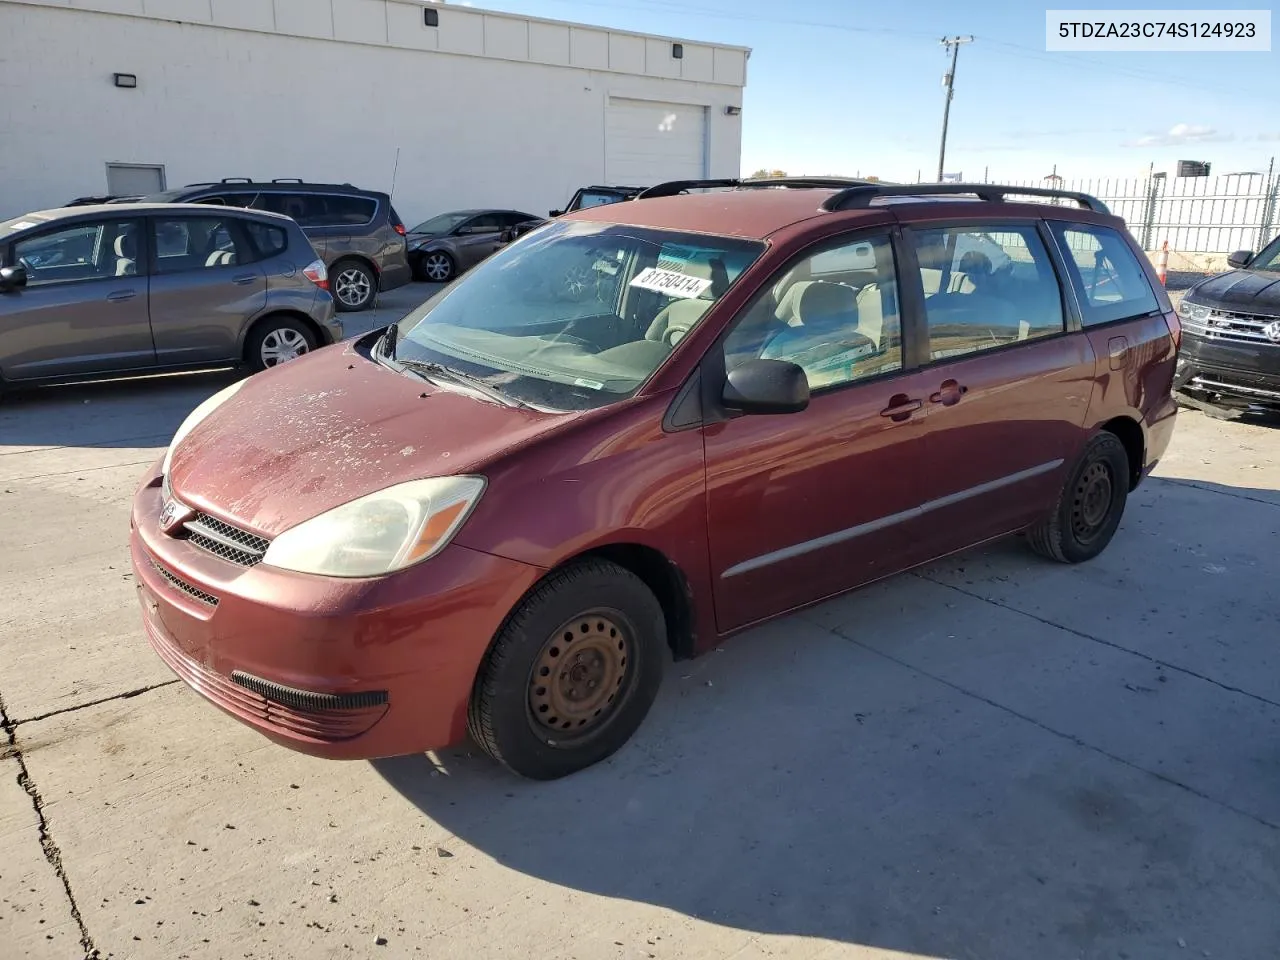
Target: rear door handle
<point x="241" y="281"/>
<point x="901" y="407"/>
<point x="120" y="296"/>
<point x="949" y="393"/>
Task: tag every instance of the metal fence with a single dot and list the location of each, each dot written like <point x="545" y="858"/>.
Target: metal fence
<point x="1192" y="214"/>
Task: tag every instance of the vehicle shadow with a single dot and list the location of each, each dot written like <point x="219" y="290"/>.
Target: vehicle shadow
<point x="125" y="412"/>
<point x="804" y="782"/>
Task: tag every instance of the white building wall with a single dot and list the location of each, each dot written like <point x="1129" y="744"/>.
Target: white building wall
<point x="486" y="109"/>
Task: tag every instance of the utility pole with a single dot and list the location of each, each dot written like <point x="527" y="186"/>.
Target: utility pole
<point x="948" y="81"/>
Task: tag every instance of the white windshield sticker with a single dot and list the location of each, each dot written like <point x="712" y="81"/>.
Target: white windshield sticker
<point x="589" y="384"/>
<point x="671" y="283"/>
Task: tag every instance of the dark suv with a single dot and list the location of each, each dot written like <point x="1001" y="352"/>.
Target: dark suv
<point x="1231" y="358"/>
<point x="357" y="232"/>
<point x="583" y="198"/>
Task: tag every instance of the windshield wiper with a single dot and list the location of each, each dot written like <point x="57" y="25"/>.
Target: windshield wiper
<point x="466" y="379"/>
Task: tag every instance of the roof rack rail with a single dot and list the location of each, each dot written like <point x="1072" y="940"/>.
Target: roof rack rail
<point x="286" y="180"/>
<point x="811" y="182"/>
<point x="236" y="180"/>
<point x="861" y="196"/>
<point x="674" y="187"/>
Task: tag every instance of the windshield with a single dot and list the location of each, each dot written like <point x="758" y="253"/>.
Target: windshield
<point x="1269" y="258"/>
<point x="441" y="224"/>
<point x="591" y="198"/>
<point x="577" y="315"/>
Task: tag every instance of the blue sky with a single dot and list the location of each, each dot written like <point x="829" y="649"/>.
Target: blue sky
<point x="840" y="87"/>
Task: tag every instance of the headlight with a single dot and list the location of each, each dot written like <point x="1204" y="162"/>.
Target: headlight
<point x="1193" y="311"/>
<point x="193" y="420"/>
<point x="382" y="532"/>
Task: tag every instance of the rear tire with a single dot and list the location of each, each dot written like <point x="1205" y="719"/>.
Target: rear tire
<point x="275" y="340"/>
<point x="1089" y="506"/>
<point x="354" y="285"/>
<point x="572" y="673"/>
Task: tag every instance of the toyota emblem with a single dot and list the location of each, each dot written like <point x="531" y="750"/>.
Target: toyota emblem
<point x="1272" y="331"/>
<point x="169" y="515"/>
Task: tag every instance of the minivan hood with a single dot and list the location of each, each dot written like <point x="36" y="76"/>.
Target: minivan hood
<point x="320" y="431"/>
<point x="1244" y="290"/>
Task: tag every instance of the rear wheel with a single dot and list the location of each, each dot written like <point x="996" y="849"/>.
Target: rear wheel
<point x="1090" y="505"/>
<point x="276" y="340"/>
<point x="354" y="285"/>
<point x="572" y="673"/>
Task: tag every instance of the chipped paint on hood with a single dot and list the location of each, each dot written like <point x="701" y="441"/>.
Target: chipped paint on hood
<point x="320" y="431"/>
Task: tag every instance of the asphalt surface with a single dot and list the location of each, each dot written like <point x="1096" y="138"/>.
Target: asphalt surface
<point x="992" y="757"/>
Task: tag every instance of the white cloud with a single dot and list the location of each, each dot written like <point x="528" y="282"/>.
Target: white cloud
<point x="1178" y="134"/>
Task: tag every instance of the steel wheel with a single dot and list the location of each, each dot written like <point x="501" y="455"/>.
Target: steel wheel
<point x="353" y="286"/>
<point x="281" y="344"/>
<point x="1091" y="502"/>
<point x="577" y="678"/>
<point x="437" y="267"/>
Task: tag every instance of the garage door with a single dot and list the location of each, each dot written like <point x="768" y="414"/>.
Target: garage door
<point x="647" y="142"/>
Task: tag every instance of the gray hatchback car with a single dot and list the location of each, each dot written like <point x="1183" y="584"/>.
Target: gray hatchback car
<point x="141" y="287"/>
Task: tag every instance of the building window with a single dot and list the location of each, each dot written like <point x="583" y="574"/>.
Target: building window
<point x="431" y="18"/>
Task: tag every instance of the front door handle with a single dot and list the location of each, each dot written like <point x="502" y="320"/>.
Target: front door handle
<point x="901" y="407"/>
<point x="949" y="393"/>
<point x="241" y="281"/>
<point x="120" y="296"/>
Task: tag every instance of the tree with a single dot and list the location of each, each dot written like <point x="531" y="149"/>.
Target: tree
<point x="768" y="173"/>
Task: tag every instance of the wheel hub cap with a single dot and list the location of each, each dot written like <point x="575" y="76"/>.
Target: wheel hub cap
<point x="352" y="287"/>
<point x="437" y="267"/>
<point x="281" y="345"/>
<point x="579" y="674"/>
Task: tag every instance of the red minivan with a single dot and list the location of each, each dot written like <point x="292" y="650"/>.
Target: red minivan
<point x="635" y="431"/>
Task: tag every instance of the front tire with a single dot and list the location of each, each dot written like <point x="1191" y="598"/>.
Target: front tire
<point x="1090" y="505"/>
<point x="572" y="673"/>
<point x="436" y="267"/>
<point x="354" y="285"/>
<point x="276" y="340"/>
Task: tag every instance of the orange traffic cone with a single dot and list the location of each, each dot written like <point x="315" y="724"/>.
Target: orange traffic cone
<point x="1162" y="267"/>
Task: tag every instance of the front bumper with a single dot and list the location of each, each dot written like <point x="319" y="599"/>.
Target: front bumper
<point x="345" y="669"/>
<point x="1232" y="372"/>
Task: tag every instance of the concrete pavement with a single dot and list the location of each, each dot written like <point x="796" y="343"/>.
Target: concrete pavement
<point x="992" y="757"/>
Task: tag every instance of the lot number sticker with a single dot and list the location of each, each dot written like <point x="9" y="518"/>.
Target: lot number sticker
<point x="671" y="283"/>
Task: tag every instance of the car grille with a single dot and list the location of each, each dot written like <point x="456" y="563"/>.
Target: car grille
<point x="178" y="583"/>
<point x="1232" y="327"/>
<point x="226" y="541"/>
<point x="314" y="721"/>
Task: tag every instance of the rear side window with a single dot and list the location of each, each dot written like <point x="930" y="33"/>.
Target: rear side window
<point x="986" y="287"/>
<point x="1108" y="278"/>
<point x="198" y="243"/>
<point x="227" y="200"/>
<point x="319" y="209"/>
<point x="268" y="240"/>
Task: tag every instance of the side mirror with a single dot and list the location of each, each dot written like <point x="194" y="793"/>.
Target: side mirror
<point x="556" y="213"/>
<point x="1240" y="259"/>
<point x="767" y="386"/>
<point x="12" y="278"/>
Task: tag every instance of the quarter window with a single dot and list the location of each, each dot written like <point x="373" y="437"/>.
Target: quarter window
<point x="1109" y="281"/>
<point x="986" y="288"/>
<point x="834" y="313"/>
<point x="198" y="243"/>
<point x="85" y="251"/>
<point x="268" y="240"/>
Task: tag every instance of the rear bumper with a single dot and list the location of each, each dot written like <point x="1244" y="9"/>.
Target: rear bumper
<point x="393" y="275"/>
<point x="1235" y="373"/>
<point x="345" y="669"/>
<point x="326" y="316"/>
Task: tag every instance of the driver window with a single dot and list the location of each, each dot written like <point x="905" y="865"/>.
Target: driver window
<point x="986" y="288"/>
<point x="835" y="313"/>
